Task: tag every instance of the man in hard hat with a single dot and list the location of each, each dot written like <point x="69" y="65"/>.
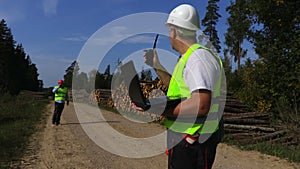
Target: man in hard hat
<point x="194" y="127"/>
<point x="60" y="97"/>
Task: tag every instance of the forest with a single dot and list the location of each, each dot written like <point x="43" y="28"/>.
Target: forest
<point x="17" y="72"/>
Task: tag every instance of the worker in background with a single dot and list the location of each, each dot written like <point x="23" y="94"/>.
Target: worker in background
<point x="60" y="97"/>
<point x="191" y="142"/>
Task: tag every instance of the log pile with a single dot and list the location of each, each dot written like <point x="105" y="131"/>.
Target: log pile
<point x="101" y="96"/>
<point x="118" y="98"/>
<point x="248" y="127"/>
<point x="240" y="123"/>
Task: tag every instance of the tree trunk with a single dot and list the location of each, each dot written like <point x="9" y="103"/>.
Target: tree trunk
<point x="239" y="56"/>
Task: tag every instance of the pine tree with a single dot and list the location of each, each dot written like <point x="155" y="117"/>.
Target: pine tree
<point x="239" y="24"/>
<point x="107" y="77"/>
<point x="21" y="68"/>
<point x="91" y="80"/>
<point x="143" y="74"/>
<point x="7" y="45"/>
<point x="72" y="70"/>
<point x="82" y="81"/>
<point x="3" y="85"/>
<point x="148" y="75"/>
<point x="100" y="81"/>
<point x="32" y="75"/>
<point x="210" y="21"/>
<point x="117" y="76"/>
<point x="17" y="72"/>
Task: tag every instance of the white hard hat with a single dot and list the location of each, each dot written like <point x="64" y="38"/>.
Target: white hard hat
<point x="184" y="16"/>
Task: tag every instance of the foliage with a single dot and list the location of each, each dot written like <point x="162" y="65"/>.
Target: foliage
<point x="100" y="81"/>
<point x="107" y="77"/>
<point x="17" y="72"/>
<point x="73" y="69"/>
<point x="274" y="33"/>
<point x="146" y="75"/>
<point x="239" y="24"/>
<point x="250" y="89"/>
<point x="210" y="21"/>
<point x="271" y="83"/>
<point x="92" y="80"/>
<point x="289" y="116"/>
<point x="81" y="81"/>
<point x="277" y="43"/>
<point x="104" y="80"/>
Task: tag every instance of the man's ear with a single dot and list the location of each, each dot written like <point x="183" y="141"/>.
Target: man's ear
<point x="173" y="33"/>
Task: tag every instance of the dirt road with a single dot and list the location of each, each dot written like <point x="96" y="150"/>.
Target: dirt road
<point x="69" y="146"/>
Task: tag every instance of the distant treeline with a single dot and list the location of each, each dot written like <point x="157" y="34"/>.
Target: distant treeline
<point x="17" y="72"/>
<point x="94" y="79"/>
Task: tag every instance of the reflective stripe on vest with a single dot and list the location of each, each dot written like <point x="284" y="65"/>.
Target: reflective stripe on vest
<point x="179" y="89"/>
<point x="60" y="94"/>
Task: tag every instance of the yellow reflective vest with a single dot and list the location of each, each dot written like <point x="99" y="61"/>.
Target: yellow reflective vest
<point x="60" y="94"/>
<point x="178" y="89"/>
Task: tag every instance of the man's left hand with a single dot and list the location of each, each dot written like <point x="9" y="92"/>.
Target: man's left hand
<point x="136" y="108"/>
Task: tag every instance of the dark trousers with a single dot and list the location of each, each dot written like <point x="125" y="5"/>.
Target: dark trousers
<point x="59" y="107"/>
<point x="182" y="155"/>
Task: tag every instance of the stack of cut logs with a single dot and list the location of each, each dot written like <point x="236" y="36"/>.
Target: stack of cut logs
<point x="244" y="126"/>
<point x="102" y="97"/>
<point x="240" y="123"/>
<point x="118" y="98"/>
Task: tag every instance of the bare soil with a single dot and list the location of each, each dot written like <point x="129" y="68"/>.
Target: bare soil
<point x="68" y="147"/>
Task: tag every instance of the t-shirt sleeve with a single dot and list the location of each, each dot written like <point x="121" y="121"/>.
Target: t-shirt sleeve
<point x="54" y="89"/>
<point x="201" y="71"/>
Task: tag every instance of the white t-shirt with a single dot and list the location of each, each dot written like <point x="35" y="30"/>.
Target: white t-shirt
<point x="202" y="71"/>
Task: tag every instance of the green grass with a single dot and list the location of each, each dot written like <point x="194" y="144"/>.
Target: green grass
<point x="19" y="116"/>
<point x="291" y="153"/>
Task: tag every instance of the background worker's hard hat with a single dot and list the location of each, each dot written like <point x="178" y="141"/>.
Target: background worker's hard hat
<point x="184" y="16"/>
<point x="60" y="82"/>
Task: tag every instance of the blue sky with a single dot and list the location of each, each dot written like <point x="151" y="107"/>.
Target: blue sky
<point x="53" y="32"/>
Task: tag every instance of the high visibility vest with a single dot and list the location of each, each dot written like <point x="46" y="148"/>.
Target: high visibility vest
<point x="60" y="94"/>
<point x="178" y="89"/>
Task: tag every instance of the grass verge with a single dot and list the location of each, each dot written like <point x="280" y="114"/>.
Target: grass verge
<point x="19" y="116"/>
<point x="291" y="152"/>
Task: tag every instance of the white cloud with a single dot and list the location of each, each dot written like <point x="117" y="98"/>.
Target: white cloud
<point x="120" y="33"/>
<point x="75" y="38"/>
<point x="114" y="34"/>
<point x="141" y="39"/>
<point x="50" y="7"/>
